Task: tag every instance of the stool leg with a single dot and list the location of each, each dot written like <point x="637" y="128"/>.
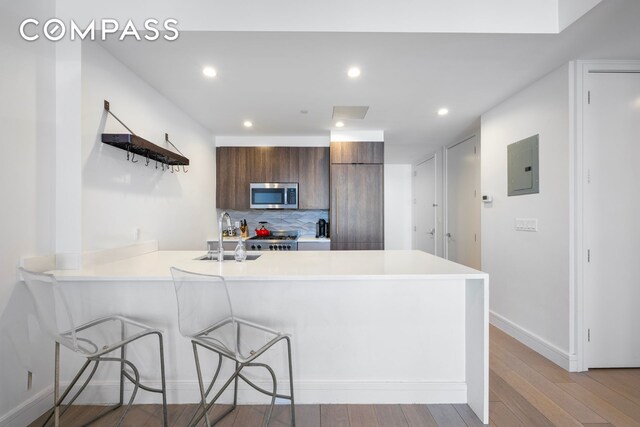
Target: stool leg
<point x="202" y="394"/>
<point x="293" y="406"/>
<point x="235" y="385"/>
<point x="165" y="417"/>
<point x="235" y="388"/>
<point x="56" y="387"/>
<point x="273" y="394"/>
<point x="122" y="356"/>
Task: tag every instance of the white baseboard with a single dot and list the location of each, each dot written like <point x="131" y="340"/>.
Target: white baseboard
<point x="535" y="342"/>
<point x="27" y="412"/>
<point x="306" y="392"/>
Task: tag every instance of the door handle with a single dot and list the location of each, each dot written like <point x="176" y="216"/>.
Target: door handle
<point x="448" y="235"/>
<point x="432" y="232"/>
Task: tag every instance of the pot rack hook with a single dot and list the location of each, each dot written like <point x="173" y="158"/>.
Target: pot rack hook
<point x="147" y="163"/>
<point x="166" y="139"/>
<point x="133" y="156"/>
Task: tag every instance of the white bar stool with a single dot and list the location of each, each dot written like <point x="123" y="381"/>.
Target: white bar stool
<point x="90" y="341"/>
<point x="205" y="316"/>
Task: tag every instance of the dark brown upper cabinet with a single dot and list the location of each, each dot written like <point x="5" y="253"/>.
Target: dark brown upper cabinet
<point x="232" y="177"/>
<point x="313" y="177"/>
<point x="357" y="152"/>
<point x="237" y="167"/>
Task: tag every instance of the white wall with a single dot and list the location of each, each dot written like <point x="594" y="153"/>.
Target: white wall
<point x="570" y="11"/>
<point x="272" y="141"/>
<point x="27" y="120"/>
<point x="530" y="272"/>
<point x="452" y="16"/>
<point x="119" y="196"/>
<point x="397" y="206"/>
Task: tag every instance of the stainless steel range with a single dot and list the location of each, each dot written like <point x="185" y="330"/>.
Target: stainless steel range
<point x="279" y="240"/>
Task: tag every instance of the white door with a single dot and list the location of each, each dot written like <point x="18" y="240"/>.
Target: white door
<point x="462" y="236"/>
<point x="425" y="205"/>
<point x="611" y="220"/>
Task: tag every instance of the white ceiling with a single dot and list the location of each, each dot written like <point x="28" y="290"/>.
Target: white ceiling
<point x="268" y="77"/>
<point x="419" y="16"/>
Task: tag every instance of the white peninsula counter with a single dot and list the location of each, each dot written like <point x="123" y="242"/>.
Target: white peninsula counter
<point x="367" y="326"/>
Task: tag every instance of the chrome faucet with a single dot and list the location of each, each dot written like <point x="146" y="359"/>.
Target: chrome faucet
<point x="229" y="231"/>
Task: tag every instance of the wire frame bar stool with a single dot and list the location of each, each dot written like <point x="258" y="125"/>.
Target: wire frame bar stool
<point x="90" y="341"/>
<point x="205" y="316"/>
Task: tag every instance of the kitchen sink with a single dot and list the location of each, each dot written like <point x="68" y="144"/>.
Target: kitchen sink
<point x="227" y="257"/>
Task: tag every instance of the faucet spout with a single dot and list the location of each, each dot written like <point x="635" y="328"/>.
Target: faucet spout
<point x="229" y="229"/>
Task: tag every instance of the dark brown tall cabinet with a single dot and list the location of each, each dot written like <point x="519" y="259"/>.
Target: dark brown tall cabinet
<point x="357" y="195"/>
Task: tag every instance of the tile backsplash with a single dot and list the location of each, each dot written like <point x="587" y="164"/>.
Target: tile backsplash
<point x="302" y="220"/>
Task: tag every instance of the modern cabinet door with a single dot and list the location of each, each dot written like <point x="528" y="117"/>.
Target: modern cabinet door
<point x="357" y="152"/>
<point x="232" y="179"/>
<point x="285" y="164"/>
<point x="314" y="246"/>
<point x="357" y="206"/>
<point x="273" y="164"/>
<point x="313" y="178"/>
<point x="260" y="164"/>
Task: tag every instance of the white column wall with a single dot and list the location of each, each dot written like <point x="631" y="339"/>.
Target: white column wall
<point x="397" y="207"/>
<point x="530" y="272"/>
<point x="27" y="186"/>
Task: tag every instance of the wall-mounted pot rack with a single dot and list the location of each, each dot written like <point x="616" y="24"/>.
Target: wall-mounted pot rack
<point x="136" y="145"/>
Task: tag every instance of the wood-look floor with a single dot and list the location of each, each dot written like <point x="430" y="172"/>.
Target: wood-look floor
<point x="526" y="390"/>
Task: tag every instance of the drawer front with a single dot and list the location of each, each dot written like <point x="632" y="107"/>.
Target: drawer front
<point x="314" y="246"/>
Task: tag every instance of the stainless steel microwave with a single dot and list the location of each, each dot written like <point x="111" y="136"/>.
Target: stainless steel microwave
<point x="273" y="195"/>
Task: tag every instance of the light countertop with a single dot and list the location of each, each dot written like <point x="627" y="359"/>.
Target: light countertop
<point x="298" y="265"/>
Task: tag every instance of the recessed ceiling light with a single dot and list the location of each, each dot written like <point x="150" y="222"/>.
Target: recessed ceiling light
<point x="443" y="112"/>
<point x="247" y="124"/>
<point x="304" y="111"/>
<point x="339" y="124"/>
<point x="353" y="72"/>
<point x="209" y="71"/>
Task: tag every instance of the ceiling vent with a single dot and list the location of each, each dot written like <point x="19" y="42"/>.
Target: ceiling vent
<point x="350" y="113"/>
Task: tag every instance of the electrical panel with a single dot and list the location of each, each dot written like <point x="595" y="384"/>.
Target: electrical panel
<point x="522" y="167"/>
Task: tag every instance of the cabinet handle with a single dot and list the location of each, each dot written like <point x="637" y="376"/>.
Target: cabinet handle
<point x="335" y="228"/>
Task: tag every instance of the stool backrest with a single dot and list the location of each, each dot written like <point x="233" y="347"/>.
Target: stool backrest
<point x="204" y="302"/>
<point x="51" y="307"/>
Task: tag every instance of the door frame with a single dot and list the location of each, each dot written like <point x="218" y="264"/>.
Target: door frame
<point x="578" y="308"/>
<point x="438" y="197"/>
<point x="445" y="221"/>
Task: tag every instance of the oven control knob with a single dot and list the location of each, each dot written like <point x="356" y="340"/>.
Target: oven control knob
<point x="270" y="247"/>
<point x="253" y="247"/>
<point x="288" y="247"/>
<point x="259" y="247"/>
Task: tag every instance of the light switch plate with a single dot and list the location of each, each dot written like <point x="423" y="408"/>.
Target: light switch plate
<point x="526" y="224"/>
